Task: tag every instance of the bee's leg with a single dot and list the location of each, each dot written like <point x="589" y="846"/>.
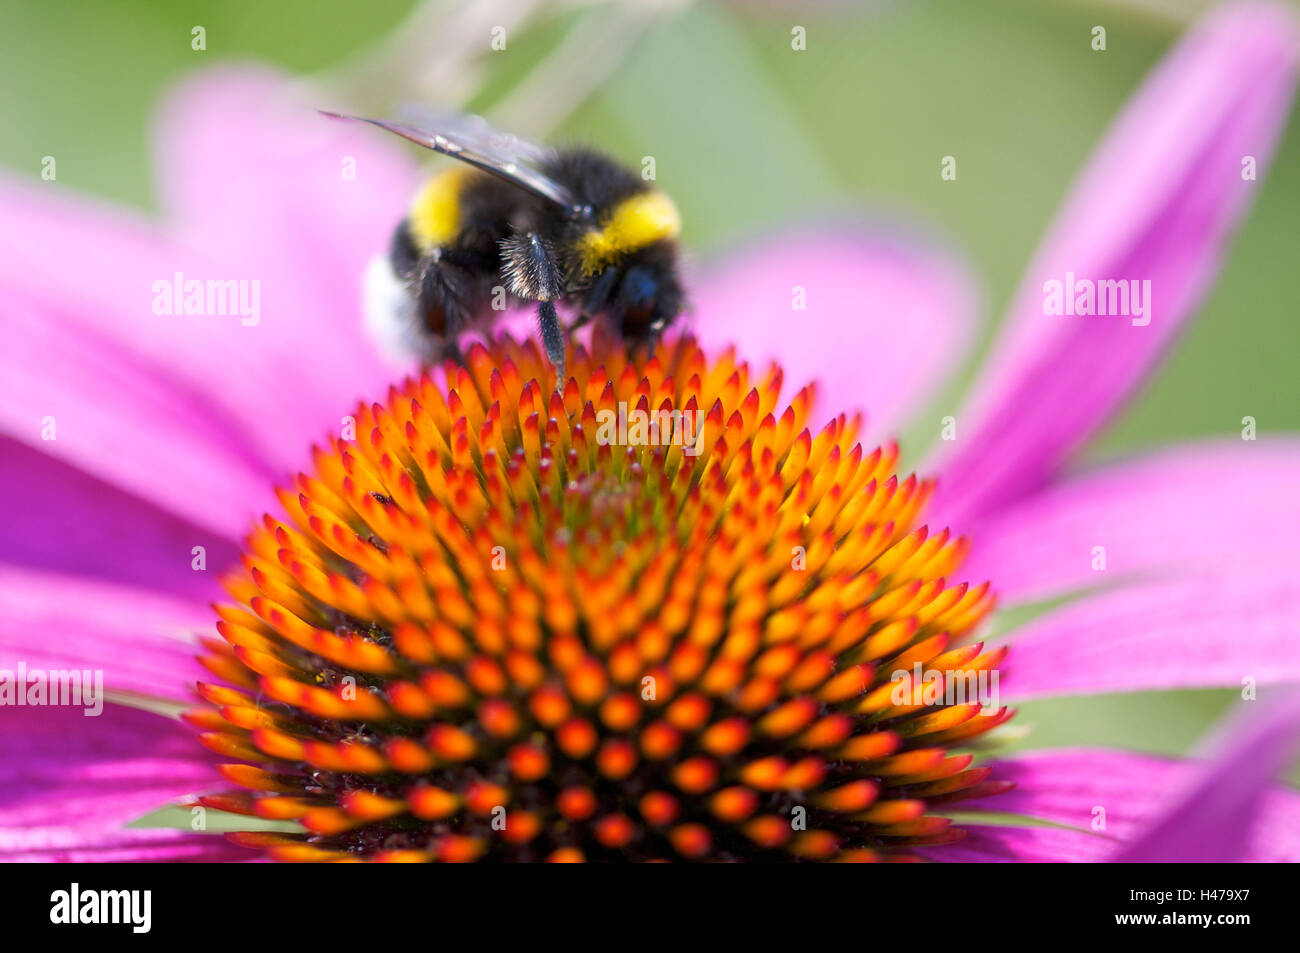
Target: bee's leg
<point x="445" y="308"/>
<point x="596" y="298"/>
<point x="552" y="340"/>
<point x="532" y="273"/>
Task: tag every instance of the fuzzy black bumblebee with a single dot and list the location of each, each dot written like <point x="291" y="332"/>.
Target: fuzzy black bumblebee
<point x="570" y="226"/>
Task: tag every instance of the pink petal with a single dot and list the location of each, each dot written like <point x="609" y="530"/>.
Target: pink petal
<point x="1198" y="631"/>
<point x="139" y="640"/>
<point x="1188" y="509"/>
<point x="1066" y="785"/>
<point x="86" y="527"/>
<point x="68" y="784"/>
<point x="88" y="399"/>
<point x="199" y="414"/>
<point x="989" y="844"/>
<point x="1140" y="795"/>
<point x="1158" y="201"/>
<point x="124" y="846"/>
<point x="884" y="321"/>
<point x="1225" y="811"/>
<point x="252" y="170"/>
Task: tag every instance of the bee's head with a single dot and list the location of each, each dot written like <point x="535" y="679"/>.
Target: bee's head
<point x="648" y="299"/>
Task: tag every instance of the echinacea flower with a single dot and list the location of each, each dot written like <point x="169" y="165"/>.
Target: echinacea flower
<point x="472" y="609"/>
<point x="487" y="618"/>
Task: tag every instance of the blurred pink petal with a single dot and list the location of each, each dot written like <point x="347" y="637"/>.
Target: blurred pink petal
<point x="1065" y="785"/>
<point x="1134" y="792"/>
<point x="885" y="322"/>
<point x="118" y="846"/>
<point x="69" y="783"/>
<point x="137" y="638"/>
<point x="1225" y="811"/>
<point x="86" y="527"/>
<point x="1186" y="509"/>
<point x="1197" y="631"/>
<point x="92" y="401"/>
<point x="212" y="361"/>
<point x="1158" y="200"/>
<point x="250" y="169"/>
<point x="265" y="193"/>
<point x="989" y="844"/>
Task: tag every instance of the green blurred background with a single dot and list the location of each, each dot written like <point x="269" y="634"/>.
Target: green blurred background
<point x="861" y="117"/>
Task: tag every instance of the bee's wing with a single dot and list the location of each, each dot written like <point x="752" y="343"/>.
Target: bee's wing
<point x="470" y="139"/>
<point x="466" y="127"/>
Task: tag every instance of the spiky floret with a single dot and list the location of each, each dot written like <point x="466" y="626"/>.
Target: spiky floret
<point x="485" y="631"/>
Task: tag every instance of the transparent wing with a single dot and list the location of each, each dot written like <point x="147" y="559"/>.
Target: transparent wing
<point x="471" y="139"/>
<point x="464" y="127"/>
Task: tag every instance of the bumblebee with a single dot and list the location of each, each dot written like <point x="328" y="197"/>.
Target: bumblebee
<point x="521" y="222"/>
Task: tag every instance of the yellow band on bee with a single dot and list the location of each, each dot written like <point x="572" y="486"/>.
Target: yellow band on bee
<point x="635" y="223"/>
<point x="435" y="213"/>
